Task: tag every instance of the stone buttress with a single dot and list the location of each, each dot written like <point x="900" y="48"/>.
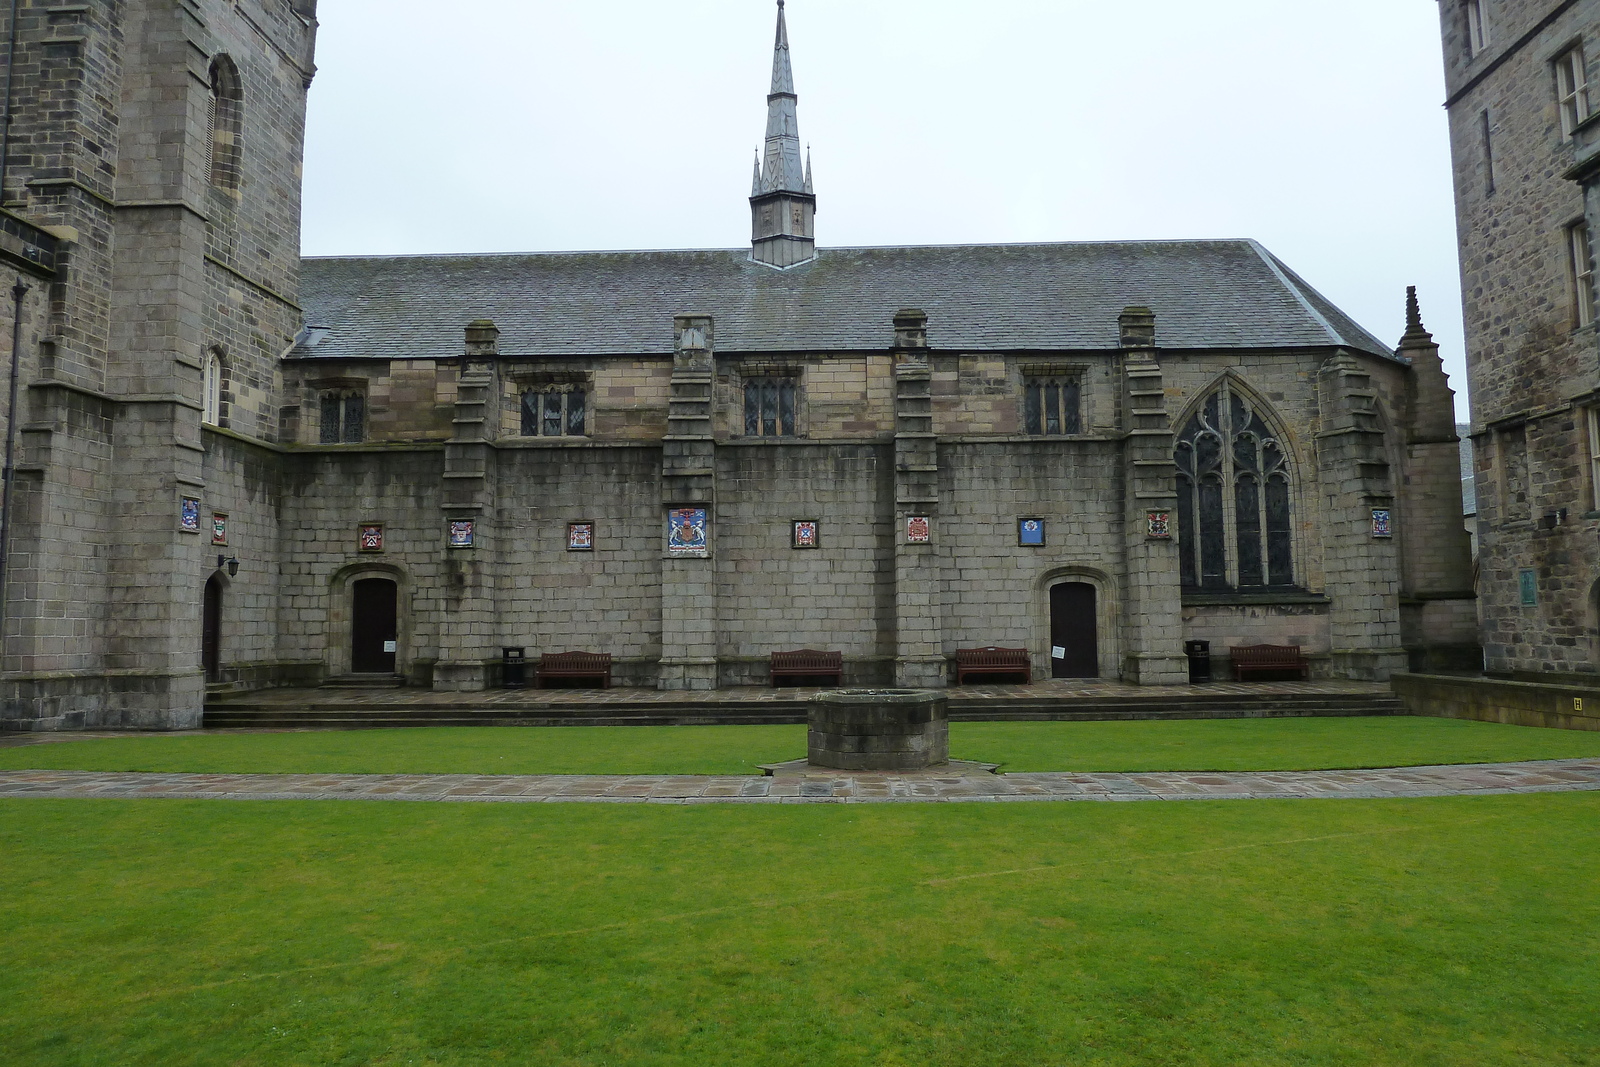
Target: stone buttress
<point x="468" y="622"/>
<point x="1362" y="568"/>
<point x="688" y="480"/>
<point x="1152" y="611"/>
<point x="919" y="648"/>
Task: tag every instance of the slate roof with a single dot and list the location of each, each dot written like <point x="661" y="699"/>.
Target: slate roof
<point x="1020" y="297"/>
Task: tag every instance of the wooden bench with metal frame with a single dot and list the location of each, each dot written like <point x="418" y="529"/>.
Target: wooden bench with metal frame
<point x="1268" y="659"/>
<point x="807" y="663"/>
<point x="993" y="660"/>
<point x="590" y="665"/>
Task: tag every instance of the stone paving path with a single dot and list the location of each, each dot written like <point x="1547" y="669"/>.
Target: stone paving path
<point x="1543" y="776"/>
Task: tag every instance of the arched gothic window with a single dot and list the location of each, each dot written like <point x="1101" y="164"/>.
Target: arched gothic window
<point x="226" y="123"/>
<point x="211" y="398"/>
<point x="1234" y="482"/>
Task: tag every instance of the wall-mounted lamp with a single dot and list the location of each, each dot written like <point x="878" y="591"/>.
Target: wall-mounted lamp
<point x="230" y="562"/>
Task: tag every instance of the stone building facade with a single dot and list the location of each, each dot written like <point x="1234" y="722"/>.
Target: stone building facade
<point x="238" y="470"/>
<point x="1526" y="148"/>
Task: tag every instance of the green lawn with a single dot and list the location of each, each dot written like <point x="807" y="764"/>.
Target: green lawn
<point x="1416" y="933"/>
<point x="1232" y="744"/>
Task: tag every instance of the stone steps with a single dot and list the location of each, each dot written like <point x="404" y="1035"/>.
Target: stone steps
<point x="346" y="714"/>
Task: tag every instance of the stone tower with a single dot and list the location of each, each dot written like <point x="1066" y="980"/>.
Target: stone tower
<point x="783" y="204"/>
<point x="1520" y="79"/>
<point x="159" y="143"/>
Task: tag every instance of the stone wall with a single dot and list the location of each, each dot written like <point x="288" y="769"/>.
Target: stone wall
<point x="520" y="586"/>
<point x="1561" y="707"/>
<point x="1533" y="367"/>
<point x="111" y="149"/>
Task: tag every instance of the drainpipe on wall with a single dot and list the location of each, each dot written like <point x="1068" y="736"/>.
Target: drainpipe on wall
<point x="9" y="474"/>
<point x="5" y="128"/>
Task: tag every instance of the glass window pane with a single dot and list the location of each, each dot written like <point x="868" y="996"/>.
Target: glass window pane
<point x="552" y="414"/>
<point x="355" y="419"/>
<point x="1071" y="407"/>
<point x="786" y="409"/>
<point x="331" y="410"/>
<point x="1031" y="421"/>
<point x="576" y="403"/>
<point x="752" y="407"/>
<point x="769" y="408"/>
<point x="1280" y="536"/>
<point x="1186" y="534"/>
<point x="530" y="414"/>
<point x="1247" y="518"/>
<point x="1213" y="554"/>
<point x="1052" y="408"/>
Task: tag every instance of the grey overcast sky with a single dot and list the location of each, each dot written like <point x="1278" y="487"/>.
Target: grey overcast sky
<point x="538" y="125"/>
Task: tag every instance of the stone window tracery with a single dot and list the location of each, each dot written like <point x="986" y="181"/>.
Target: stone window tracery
<point x="555" y="411"/>
<point x="770" y="406"/>
<point x="1052" y="404"/>
<point x="344" y="418"/>
<point x="1234" y="498"/>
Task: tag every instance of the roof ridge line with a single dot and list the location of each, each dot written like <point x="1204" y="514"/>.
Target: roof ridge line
<point x="820" y="249"/>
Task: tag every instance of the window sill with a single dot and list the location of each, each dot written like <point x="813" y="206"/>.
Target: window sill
<point x="1287" y="596"/>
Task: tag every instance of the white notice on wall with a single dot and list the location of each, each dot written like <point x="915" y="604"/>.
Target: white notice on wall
<point x="391" y="646"/>
<point x="1057" y="652"/>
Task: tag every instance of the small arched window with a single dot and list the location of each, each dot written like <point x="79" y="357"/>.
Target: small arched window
<point x="226" y="123"/>
<point x="211" y="385"/>
<point x="1234" y="498"/>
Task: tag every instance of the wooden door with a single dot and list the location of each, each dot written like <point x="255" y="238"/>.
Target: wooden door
<point x="374" y="626"/>
<point x="211" y="630"/>
<point x="1074" y="647"/>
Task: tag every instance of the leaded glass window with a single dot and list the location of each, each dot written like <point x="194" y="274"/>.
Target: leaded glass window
<point x="555" y="411"/>
<point x="344" y="418"/>
<point x="1235" y="528"/>
<point x="1052" y="405"/>
<point x="769" y="407"/>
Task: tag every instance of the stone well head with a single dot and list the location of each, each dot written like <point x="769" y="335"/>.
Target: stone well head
<point x="879" y="730"/>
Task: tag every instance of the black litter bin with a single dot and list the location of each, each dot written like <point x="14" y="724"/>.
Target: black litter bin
<point x="1199" y="653"/>
<point x="513" y="668"/>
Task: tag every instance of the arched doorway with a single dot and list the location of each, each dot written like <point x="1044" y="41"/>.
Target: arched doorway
<point x="374" y="626"/>
<point x="211" y="630"/>
<point x="1074" y="637"/>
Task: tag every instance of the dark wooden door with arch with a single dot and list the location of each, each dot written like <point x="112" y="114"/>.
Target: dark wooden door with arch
<point x="211" y="630"/>
<point x="1074" y="638"/>
<point x="374" y="626"/>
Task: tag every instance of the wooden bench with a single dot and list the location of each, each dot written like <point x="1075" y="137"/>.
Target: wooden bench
<point x="1268" y="659"/>
<point x="591" y="665"/>
<point x="993" y="661"/>
<point x="807" y="663"/>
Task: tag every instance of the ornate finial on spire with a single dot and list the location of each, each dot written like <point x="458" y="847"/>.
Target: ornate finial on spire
<point x="755" y="185"/>
<point x="783" y="203"/>
<point x="782" y="72"/>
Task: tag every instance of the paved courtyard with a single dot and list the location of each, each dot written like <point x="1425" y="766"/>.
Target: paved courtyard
<point x="816" y="786"/>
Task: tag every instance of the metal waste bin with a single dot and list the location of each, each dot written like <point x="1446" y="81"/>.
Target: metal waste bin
<point x="513" y="668"/>
<point x="1199" y="653"/>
